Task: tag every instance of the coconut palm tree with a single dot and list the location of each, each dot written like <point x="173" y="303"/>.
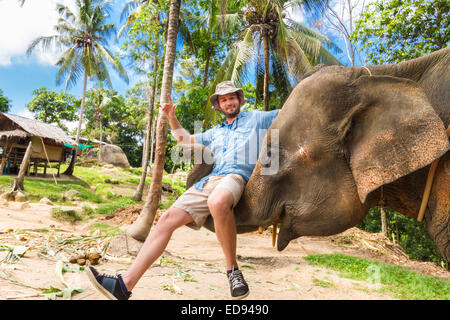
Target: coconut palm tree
<point x="141" y="227"/>
<point x="270" y="40"/>
<point x="83" y="34"/>
<point x="101" y="100"/>
<point x="211" y="24"/>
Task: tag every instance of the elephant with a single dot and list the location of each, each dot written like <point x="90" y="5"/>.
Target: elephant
<point x="350" y="138"/>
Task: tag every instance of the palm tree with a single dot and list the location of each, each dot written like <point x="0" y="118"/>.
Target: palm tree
<point x="141" y="227"/>
<point x="83" y="34"/>
<point x="211" y="24"/>
<point x="101" y="100"/>
<point x="289" y="48"/>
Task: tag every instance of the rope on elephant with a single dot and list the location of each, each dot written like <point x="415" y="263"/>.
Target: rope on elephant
<point x="426" y="192"/>
<point x="370" y="73"/>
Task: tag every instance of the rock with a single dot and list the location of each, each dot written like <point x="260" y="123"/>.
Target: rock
<point x="108" y="166"/>
<point x="20" y="197"/>
<point x="107" y="180"/>
<point x="46" y="201"/>
<point x="25" y="205"/>
<point x="113" y="155"/>
<point x="70" y="194"/>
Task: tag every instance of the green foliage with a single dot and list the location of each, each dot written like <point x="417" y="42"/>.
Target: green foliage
<point x="392" y="31"/>
<point x="409" y="233"/>
<point x="50" y="106"/>
<point x="5" y="103"/>
<point x="122" y="120"/>
<point x="403" y="283"/>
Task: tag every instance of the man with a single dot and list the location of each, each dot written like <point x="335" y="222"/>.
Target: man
<point x="216" y="194"/>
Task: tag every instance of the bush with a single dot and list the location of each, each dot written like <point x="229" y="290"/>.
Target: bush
<point x="71" y="216"/>
<point x="409" y="233"/>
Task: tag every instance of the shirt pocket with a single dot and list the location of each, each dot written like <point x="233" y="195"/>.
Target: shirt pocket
<point x="242" y="133"/>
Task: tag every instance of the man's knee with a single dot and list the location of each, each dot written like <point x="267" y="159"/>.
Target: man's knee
<point x="170" y="220"/>
<point x="220" y="205"/>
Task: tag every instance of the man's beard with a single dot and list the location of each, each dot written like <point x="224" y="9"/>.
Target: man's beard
<point x="233" y="114"/>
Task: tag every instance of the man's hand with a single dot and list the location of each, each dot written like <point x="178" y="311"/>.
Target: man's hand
<point x="178" y="131"/>
<point x="168" y="108"/>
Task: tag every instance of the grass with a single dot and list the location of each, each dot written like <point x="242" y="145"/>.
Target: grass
<point x="400" y="282"/>
<point x="104" y="195"/>
<point x="106" y="229"/>
<point x="36" y="189"/>
<point x="109" y="207"/>
<point x="71" y="216"/>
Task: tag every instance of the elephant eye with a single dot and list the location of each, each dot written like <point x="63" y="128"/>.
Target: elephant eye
<point x="302" y="154"/>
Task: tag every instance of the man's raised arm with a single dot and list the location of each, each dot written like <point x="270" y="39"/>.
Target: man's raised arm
<point x="181" y="134"/>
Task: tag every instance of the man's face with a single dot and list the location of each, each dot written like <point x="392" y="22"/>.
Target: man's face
<point x="229" y="104"/>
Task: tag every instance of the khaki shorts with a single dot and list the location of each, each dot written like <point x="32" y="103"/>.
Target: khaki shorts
<point x="195" y="202"/>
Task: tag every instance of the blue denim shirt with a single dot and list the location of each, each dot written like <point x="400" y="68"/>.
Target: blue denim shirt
<point x="236" y="146"/>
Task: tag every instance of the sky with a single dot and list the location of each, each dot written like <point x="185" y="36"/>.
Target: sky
<point x="21" y="74"/>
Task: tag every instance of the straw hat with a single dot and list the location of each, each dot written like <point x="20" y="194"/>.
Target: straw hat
<point x="223" y="88"/>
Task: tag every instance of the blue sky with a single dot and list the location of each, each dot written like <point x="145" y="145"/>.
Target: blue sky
<point x="19" y="74"/>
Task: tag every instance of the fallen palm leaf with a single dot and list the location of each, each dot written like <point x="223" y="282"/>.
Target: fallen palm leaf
<point x="14" y="252"/>
<point x="119" y="260"/>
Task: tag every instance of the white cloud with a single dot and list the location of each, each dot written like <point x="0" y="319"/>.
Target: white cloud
<point x="19" y="26"/>
<point x="26" y="114"/>
<point x="295" y="14"/>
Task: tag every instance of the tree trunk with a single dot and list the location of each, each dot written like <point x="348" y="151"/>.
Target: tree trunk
<point x="69" y="170"/>
<point x="140" y="189"/>
<point x="266" y="70"/>
<point x="383" y="222"/>
<point x="141" y="227"/>
<point x="101" y="130"/>
<point x="6" y="151"/>
<point x="205" y="74"/>
<point x="18" y="182"/>
<point x="152" y="136"/>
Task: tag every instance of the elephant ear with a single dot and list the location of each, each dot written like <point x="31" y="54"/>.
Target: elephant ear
<point x="390" y="131"/>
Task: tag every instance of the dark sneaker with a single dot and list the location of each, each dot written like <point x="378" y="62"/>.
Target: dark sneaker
<point x="111" y="286"/>
<point x="238" y="286"/>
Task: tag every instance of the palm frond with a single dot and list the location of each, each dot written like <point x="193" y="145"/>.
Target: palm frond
<point x="45" y="42"/>
<point x="244" y="54"/>
<point x="117" y="66"/>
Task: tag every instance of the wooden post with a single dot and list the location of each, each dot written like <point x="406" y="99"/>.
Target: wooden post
<point x="18" y="182"/>
<point x="5" y="155"/>
<point x="45" y="169"/>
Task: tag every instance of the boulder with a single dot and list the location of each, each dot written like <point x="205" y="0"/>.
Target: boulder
<point x="20" y="197"/>
<point x="46" y="201"/>
<point x="70" y="194"/>
<point x="114" y="155"/>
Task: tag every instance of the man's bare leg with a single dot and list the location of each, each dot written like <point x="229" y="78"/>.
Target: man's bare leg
<point x="155" y="244"/>
<point x="220" y="203"/>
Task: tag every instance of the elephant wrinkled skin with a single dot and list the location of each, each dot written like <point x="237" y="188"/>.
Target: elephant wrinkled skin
<point x="346" y="136"/>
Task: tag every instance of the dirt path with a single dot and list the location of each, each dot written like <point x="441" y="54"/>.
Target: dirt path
<point x="192" y="267"/>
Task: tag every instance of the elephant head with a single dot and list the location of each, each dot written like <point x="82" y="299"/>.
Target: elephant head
<point x="341" y="137"/>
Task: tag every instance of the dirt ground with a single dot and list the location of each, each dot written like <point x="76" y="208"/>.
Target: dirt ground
<point x="192" y="267"/>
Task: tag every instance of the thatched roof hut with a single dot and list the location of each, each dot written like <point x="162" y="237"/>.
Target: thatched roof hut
<point x="17" y="126"/>
<point x="48" y="142"/>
